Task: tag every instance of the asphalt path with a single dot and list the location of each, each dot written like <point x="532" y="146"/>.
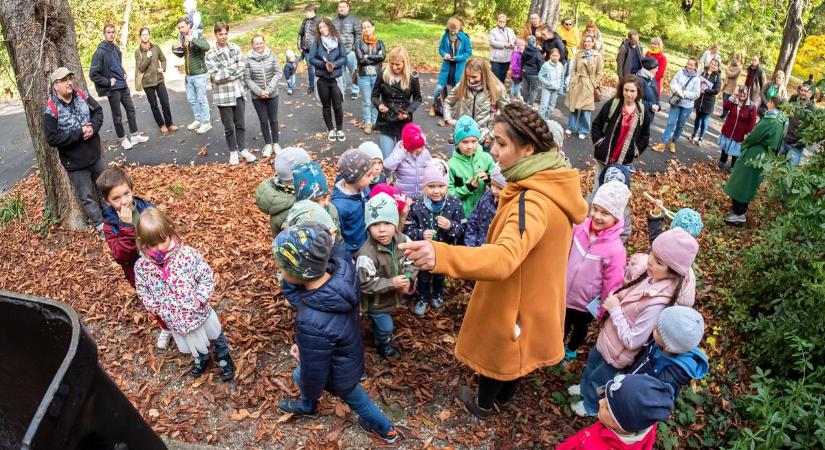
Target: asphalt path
<point x="301" y="124"/>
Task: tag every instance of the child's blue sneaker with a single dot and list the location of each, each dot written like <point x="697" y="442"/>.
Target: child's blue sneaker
<point x="421" y="307"/>
<point x="388" y="437"/>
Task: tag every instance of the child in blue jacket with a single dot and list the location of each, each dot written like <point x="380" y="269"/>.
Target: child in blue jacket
<point x="354" y="175"/>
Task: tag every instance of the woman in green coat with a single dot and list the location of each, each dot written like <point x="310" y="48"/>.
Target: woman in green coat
<point x="469" y="166"/>
<point x="745" y="179"/>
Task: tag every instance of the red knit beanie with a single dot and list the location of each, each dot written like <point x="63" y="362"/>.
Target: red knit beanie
<point x="412" y="137"/>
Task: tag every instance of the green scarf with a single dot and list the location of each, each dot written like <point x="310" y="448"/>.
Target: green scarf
<point x="533" y="164"/>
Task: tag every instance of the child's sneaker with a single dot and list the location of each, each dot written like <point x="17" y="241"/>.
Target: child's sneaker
<point x="296" y="407"/>
<point x="578" y="408"/>
<point x="201" y="364"/>
<point x="569" y="355"/>
<point x="576" y="389"/>
<point x="387" y="352"/>
<point x="421" y="307"/>
<point x="227" y="367"/>
<point x="289" y="92"/>
<point x="388" y="437"/>
<point x="163" y="338"/>
<point x="438" y="304"/>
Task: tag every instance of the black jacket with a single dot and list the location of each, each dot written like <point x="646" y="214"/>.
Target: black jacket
<point x="75" y="153"/>
<point x="421" y="219"/>
<point x="650" y="89"/>
<point x="707" y="99"/>
<point x="367" y="55"/>
<point x="792" y="136"/>
<point x="397" y="100"/>
<point x="107" y="63"/>
<point x="605" y="133"/>
<point x="531" y="61"/>
<point x="555" y="42"/>
<point x="308" y="33"/>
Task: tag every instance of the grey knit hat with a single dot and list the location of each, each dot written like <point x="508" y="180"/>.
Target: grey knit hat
<point x="381" y="208"/>
<point x="286" y="160"/>
<point x="681" y="328"/>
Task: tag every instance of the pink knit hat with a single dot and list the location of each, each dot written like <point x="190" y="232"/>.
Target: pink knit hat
<point x="677" y="249"/>
<point x="436" y="172"/>
<point x="412" y="137"/>
<point x="399" y="196"/>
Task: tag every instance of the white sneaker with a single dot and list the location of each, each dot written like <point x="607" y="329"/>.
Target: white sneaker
<point x="267" y="151"/>
<point x="568" y="133"/>
<point x="341" y="137"/>
<point x="193" y="126"/>
<point x="578" y="408"/>
<point x="582" y="136"/>
<point x="139" y="138"/>
<point x="276" y="149"/>
<point x="249" y="157"/>
<point x="163" y="338"/>
<point x="576" y="389"/>
<point x="331" y="136"/>
<point x="233" y="158"/>
<point x="205" y="127"/>
<point x="126" y="143"/>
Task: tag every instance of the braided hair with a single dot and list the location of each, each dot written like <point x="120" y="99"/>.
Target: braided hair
<point x="526" y="127"/>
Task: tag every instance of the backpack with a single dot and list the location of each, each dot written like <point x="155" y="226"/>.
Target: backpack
<point x="53" y="107"/>
<point x="614" y="105"/>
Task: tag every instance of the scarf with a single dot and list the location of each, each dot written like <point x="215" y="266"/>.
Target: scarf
<point x="161" y="258"/>
<point x="588" y="54"/>
<point x="629" y="139"/>
<point x="145" y="47"/>
<point x="369" y="39"/>
<point x="475" y="87"/>
<point x="329" y="43"/>
<point x="435" y="207"/>
<point x="655" y="52"/>
<point x="531" y="165"/>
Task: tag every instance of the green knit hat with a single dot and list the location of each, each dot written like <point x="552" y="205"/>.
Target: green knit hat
<point x="381" y="208"/>
<point x="466" y="127"/>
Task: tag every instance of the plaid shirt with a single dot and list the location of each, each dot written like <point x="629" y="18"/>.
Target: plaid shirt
<point x="226" y="69"/>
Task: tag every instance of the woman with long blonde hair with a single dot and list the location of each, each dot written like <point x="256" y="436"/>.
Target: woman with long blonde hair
<point x="396" y="94"/>
<point x="657" y="52"/>
<point x="479" y="95"/>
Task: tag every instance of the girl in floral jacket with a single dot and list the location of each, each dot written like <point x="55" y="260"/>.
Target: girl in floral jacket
<point x="175" y="283"/>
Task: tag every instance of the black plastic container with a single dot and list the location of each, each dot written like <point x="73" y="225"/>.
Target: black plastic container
<point x="53" y="392"/>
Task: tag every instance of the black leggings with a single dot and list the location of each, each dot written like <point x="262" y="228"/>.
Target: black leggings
<point x="490" y="390"/>
<point x="723" y="158"/>
<point x="153" y="94"/>
<point x="738" y="207"/>
<point x="331" y="98"/>
<point x="267" y="109"/>
<point x="575" y="325"/>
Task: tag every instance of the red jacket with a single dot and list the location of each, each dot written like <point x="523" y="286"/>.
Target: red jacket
<point x="121" y="238"/>
<point x="660" y="71"/>
<point x="740" y="121"/>
<point x="598" y="436"/>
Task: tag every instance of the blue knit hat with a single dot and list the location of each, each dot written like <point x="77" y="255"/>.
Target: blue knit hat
<point x="681" y="328"/>
<point x="464" y="128"/>
<point x="688" y="220"/>
<point x="638" y="401"/>
<point x="309" y="181"/>
<point x="303" y="250"/>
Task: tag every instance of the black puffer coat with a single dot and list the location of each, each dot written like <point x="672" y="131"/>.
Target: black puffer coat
<point x="397" y="100"/>
<point x="707" y="99"/>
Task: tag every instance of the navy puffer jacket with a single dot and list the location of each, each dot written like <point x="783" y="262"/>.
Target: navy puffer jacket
<point x="328" y="331"/>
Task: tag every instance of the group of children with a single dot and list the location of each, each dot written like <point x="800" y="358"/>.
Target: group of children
<point x="338" y="255"/>
<point x="534" y="78"/>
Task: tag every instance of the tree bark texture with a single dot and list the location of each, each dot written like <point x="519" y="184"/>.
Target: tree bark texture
<point x="548" y="11"/>
<point x="124" y="30"/>
<point x="40" y="37"/>
<point x="791" y="38"/>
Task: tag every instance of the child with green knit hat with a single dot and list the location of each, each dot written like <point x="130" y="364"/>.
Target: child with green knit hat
<point x="385" y="274"/>
<point x="470" y="166"/>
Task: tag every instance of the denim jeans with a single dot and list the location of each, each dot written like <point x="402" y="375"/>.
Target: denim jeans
<point x="500" y="70"/>
<point x="439" y="88"/>
<point x="676" y="119"/>
<point x="220" y="347"/>
<point x="578" y="121"/>
<point x="700" y="125"/>
<point x="386" y="143"/>
<point x="794" y="154"/>
<point x="568" y="71"/>
<point x="531" y="89"/>
<point x="548" y="102"/>
<point x="196" y="94"/>
<point x="351" y="68"/>
<point x="515" y="89"/>
<point x="83" y="181"/>
<point x="310" y="68"/>
<point x="430" y="285"/>
<point x="358" y="401"/>
<point x="725" y="111"/>
<point x="290" y="83"/>
<point x="596" y="373"/>
<point x="366" y="83"/>
<point x="381" y="327"/>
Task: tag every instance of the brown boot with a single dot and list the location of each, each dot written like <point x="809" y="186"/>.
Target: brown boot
<point x="163" y="129"/>
<point x="432" y="111"/>
<point x="659" y="148"/>
<point x="672" y="147"/>
<point x="172" y="127"/>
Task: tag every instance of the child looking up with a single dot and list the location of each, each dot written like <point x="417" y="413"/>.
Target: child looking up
<point x="628" y="414"/>
<point x="469" y="166"/>
<point x="674" y="356"/>
<point x="436" y="217"/>
<point x="174" y="282"/>
<point x="311" y="184"/>
<point x="475" y="231"/>
<point x="652" y="283"/>
<point x="274" y="196"/>
<point x="408" y="160"/>
<point x="597" y="261"/>
<point x="355" y="173"/>
<point x="327" y="326"/>
<point x="385" y="274"/>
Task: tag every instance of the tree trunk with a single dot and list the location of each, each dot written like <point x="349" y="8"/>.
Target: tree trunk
<point x="791" y="38"/>
<point x="124" y="30"/>
<point x="548" y="11"/>
<point x="40" y="37"/>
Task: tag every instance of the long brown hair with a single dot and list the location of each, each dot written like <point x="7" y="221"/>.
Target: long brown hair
<point x="332" y="30"/>
<point x="489" y="81"/>
<point x="673" y="298"/>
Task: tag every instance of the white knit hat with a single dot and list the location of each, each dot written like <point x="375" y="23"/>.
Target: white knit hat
<point x="613" y="197"/>
<point x="371" y="149"/>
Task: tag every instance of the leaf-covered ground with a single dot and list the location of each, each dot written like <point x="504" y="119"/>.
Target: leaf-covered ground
<point x="214" y="208"/>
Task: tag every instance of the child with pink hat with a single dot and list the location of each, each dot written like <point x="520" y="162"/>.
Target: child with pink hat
<point x="408" y="160"/>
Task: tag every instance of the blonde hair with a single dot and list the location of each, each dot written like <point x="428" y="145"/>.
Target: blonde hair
<point x="489" y="81"/>
<point x="453" y="24"/>
<point x="406" y="74"/>
<point x="776" y="74"/>
<point x="658" y="41"/>
<point x="153" y="227"/>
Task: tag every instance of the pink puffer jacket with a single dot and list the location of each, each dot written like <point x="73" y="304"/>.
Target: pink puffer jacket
<point x="597" y="268"/>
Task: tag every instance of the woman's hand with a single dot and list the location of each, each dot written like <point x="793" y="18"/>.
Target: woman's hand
<point x="330" y="67"/>
<point x="382" y="108"/>
<point x="421" y="253"/>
